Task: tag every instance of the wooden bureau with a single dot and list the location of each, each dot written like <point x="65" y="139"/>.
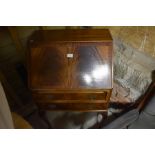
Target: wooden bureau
<point x="71" y="69"/>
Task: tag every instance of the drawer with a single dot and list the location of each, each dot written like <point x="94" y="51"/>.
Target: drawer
<point x="41" y="97"/>
<point x="74" y="106"/>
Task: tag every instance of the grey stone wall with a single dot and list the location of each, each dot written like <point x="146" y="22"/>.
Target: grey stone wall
<point x="132" y="69"/>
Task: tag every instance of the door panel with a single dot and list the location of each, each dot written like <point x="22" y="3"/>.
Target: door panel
<point x="49" y="67"/>
<point x="92" y="67"/>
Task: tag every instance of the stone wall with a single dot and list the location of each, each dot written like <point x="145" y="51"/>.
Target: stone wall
<point x="132" y="68"/>
<point x="142" y="38"/>
<point x="133" y="62"/>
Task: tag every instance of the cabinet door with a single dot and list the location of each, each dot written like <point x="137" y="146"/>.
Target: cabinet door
<point x="49" y="67"/>
<point x="92" y="66"/>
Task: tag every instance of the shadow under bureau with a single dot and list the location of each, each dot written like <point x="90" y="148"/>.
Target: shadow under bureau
<point x="71" y="69"/>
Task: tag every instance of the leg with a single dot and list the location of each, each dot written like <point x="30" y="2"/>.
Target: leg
<point x="102" y="119"/>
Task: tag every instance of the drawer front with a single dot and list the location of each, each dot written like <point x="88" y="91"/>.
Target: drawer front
<point x="42" y="97"/>
<point x="74" y="106"/>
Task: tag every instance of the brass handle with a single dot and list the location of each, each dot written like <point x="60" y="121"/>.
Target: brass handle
<point x="70" y="55"/>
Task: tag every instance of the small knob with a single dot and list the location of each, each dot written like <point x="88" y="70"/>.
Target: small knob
<point x="70" y="55"/>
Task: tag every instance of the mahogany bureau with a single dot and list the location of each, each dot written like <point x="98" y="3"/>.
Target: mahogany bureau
<point x="71" y="69"/>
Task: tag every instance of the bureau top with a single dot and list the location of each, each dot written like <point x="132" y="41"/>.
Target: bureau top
<point x="83" y="63"/>
<point x="71" y="35"/>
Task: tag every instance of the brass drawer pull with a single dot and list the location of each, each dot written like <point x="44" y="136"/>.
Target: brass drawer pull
<point x="70" y="55"/>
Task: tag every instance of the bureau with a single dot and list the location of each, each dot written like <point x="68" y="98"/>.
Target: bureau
<point x="70" y="69"/>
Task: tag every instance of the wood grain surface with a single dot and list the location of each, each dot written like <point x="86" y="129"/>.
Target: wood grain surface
<point x="71" y="69"/>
